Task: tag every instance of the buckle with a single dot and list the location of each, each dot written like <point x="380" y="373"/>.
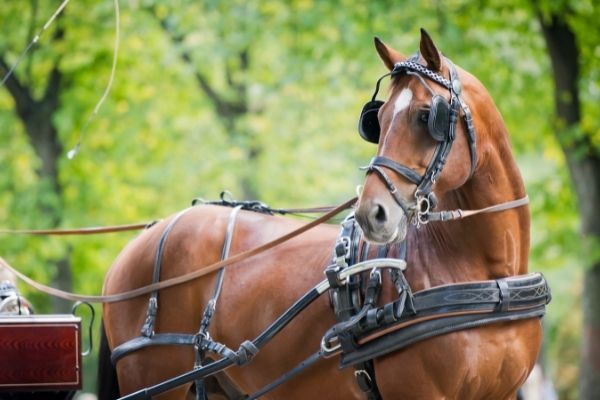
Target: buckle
<point x="342" y="248"/>
<point x="423" y="207"/>
<point x="362" y="372"/>
<point x="201" y="340"/>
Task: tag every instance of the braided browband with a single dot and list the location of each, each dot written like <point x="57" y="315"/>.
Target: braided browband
<point x="414" y="66"/>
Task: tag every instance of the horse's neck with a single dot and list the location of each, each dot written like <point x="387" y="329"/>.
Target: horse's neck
<point x="484" y="246"/>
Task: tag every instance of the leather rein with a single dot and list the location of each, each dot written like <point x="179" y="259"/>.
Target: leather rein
<point x="78" y="231"/>
<point x="130" y="294"/>
<point x="179" y="280"/>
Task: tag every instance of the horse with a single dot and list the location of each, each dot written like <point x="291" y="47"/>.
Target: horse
<point x="415" y="171"/>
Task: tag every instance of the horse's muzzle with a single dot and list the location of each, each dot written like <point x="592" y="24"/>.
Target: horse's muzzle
<point x="381" y="223"/>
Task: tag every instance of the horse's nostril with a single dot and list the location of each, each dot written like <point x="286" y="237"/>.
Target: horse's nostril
<point x="380" y="214"/>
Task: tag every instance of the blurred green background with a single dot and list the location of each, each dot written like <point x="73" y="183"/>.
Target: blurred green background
<point x="262" y="98"/>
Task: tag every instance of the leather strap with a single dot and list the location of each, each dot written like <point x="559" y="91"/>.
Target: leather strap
<point x="130" y="294"/>
<point x="206" y="343"/>
<point x="96" y="230"/>
<point x="485" y="297"/>
<point x="313" y="358"/>
<point x="78" y="231"/>
<point x="158" y="339"/>
<point x="148" y="327"/>
<point x="402" y="338"/>
<point x="400" y="169"/>
<point x="460" y="214"/>
<point x="391" y="187"/>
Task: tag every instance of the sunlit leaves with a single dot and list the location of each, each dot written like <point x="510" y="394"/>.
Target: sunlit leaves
<point x="158" y="141"/>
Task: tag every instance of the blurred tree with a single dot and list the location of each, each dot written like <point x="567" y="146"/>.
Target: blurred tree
<point x="562" y="24"/>
<point x="36" y="112"/>
<point x="260" y="98"/>
<point x="231" y="104"/>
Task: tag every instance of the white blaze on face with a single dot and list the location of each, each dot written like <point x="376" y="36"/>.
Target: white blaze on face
<point x="402" y="101"/>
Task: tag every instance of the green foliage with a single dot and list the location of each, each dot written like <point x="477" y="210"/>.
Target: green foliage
<point x="159" y="141"/>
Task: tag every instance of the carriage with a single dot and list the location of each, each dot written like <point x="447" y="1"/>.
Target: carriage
<point x="422" y="292"/>
<point x="41" y="354"/>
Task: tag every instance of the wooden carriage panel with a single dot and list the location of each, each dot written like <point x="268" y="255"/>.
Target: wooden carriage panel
<point x="40" y="352"/>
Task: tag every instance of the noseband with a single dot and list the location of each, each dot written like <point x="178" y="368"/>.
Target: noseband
<point x="442" y="120"/>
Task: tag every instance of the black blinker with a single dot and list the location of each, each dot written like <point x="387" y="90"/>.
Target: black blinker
<point x="439" y="118"/>
<point x="368" y="123"/>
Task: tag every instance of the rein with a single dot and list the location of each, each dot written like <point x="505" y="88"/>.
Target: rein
<point x="95" y="230"/>
<point x="460" y="214"/>
<point x="78" y="231"/>
<point x="130" y="294"/>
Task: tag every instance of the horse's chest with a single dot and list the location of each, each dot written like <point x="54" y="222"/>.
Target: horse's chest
<point x="489" y="362"/>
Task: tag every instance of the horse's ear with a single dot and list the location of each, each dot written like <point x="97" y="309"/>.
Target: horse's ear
<point x="429" y="52"/>
<point x="388" y="55"/>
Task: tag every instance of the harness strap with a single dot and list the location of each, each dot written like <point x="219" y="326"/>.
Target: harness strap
<point x="510" y="294"/>
<point x="206" y="343"/>
<point x="158" y="339"/>
<point x="249" y="348"/>
<point x="313" y="358"/>
<point x="460" y="214"/>
<point x="445" y="309"/>
<point x="148" y="327"/>
<point x="467" y="117"/>
<point x="400" y="169"/>
<point x="402" y="338"/>
<point x="212" y="303"/>
<point x="345" y="299"/>
<point x="365" y="377"/>
<point x="389" y="184"/>
<point x="95" y="230"/>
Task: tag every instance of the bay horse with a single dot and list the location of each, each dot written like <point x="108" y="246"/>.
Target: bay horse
<point x="487" y="362"/>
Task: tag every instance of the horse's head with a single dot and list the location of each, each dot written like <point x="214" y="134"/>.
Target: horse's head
<point x="424" y="150"/>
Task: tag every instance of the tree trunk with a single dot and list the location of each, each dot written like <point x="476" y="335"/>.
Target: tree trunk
<point x="584" y="167"/>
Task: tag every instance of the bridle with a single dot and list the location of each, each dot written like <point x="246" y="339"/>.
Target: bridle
<point x="442" y="122"/>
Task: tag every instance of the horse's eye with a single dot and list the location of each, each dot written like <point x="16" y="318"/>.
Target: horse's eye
<point x="424" y="116"/>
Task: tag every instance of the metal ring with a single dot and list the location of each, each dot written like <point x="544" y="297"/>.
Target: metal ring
<point x="74" y="309"/>
<point x="423" y="201"/>
<point x="328" y="351"/>
<point x="422" y="219"/>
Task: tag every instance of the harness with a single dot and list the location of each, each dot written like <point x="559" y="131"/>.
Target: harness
<point x="365" y="329"/>
<point x="373" y="330"/>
